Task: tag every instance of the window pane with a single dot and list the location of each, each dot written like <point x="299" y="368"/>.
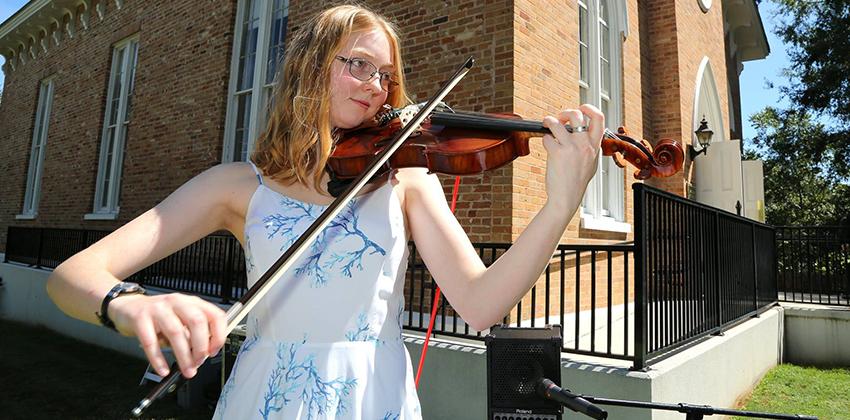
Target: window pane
<point x="116" y="86"/>
<point x="582" y="93"/>
<point x="248" y="47"/>
<point x="107" y="168"/>
<point x="605" y="59"/>
<point x="606" y="186"/>
<point x="583" y="40"/>
<point x="243" y="118"/>
<point x="604" y="108"/>
<point x="132" y="74"/>
<point x="277" y="36"/>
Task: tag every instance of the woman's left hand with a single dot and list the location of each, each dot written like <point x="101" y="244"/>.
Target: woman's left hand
<point x="571" y="157"/>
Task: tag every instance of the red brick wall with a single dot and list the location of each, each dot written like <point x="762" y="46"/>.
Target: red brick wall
<point x="525" y="64"/>
<point x="679" y="35"/>
<point x="178" y="111"/>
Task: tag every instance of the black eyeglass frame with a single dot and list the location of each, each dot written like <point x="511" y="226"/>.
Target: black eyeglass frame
<point x="391" y="84"/>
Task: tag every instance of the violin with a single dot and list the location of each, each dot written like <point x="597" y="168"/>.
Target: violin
<point x="465" y="143"/>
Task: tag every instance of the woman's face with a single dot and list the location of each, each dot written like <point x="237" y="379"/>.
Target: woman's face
<point x="354" y="101"/>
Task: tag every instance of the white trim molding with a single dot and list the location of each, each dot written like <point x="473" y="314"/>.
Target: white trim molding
<point x="41" y="128"/>
<point x="707" y="103"/>
<point x="116" y="120"/>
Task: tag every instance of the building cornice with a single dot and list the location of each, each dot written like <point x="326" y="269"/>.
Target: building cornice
<point x="43" y="25"/>
<point x="742" y="22"/>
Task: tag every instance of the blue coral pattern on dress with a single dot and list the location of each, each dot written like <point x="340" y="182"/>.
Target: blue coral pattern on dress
<point x="327" y="345"/>
<point x="249" y="260"/>
<point x="363" y="331"/>
<point x="290" y="376"/>
<point x="331" y="248"/>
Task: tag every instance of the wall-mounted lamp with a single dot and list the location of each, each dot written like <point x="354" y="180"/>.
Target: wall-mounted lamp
<point x="704" y="135"/>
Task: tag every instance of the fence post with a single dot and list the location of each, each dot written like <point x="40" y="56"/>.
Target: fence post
<point x="227" y="287"/>
<point x="40" y="246"/>
<point x="717" y="272"/>
<point x="8" y="235"/>
<point x="755" y="270"/>
<point x="640" y="279"/>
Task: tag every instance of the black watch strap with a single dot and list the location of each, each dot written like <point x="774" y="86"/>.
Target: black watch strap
<point x="123" y="288"/>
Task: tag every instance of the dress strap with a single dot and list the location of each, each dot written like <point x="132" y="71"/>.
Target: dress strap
<point x="256" y="171"/>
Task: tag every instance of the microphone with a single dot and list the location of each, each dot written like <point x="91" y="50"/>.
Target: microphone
<point x="548" y="389"/>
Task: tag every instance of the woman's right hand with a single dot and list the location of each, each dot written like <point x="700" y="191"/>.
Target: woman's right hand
<point x="191" y="326"/>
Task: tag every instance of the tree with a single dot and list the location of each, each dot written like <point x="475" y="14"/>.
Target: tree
<point x="800" y="189"/>
<point x="817" y="33"/>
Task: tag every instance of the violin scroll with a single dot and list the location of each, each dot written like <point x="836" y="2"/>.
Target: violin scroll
<point x="664" y="160"/>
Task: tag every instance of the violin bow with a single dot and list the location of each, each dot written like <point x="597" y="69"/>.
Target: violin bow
<point x="240" y="309"/>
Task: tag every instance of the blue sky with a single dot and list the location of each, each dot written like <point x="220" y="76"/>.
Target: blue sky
<point x="754" y="93"/>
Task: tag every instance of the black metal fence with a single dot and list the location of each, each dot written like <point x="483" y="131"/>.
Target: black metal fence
<point x="692" y="270"/>
<point x="47" y="247"/>
<point x="813" y="264"/>
<point x="587" y="289"/>
<point x="701" y="270"/>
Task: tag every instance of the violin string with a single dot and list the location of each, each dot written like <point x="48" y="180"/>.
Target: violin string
<point x="490" y="122"/>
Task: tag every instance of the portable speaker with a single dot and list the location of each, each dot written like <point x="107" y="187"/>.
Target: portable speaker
<point x="517" y="358"/>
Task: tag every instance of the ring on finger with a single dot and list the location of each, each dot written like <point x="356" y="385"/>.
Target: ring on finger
<point x="579" y="129"/>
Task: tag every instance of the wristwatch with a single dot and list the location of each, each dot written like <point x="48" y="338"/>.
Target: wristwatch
<point x="123" y="288"/>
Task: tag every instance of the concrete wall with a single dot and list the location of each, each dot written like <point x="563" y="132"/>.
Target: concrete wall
<point x="717" y="371"/>
<point x="817" y="335"/>
<point x="23" y="298"/>
<point x="721" y="369"/>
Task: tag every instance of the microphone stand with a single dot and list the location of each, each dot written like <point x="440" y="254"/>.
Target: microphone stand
<point x="692" y="411"/>
<point x="584" y="404"/>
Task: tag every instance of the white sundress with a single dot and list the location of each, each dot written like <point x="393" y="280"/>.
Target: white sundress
<point x="325" y="342"/>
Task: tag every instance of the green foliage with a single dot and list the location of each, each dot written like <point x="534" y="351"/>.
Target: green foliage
<point x="817" y="33"/>
<point x="802" y="185"/>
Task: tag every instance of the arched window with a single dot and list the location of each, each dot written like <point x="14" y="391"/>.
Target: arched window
<point x="602" y="28"/>
<point x="258" y="46"/>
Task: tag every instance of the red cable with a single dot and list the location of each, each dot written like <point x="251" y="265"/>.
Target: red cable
<point x="436" y="300"/>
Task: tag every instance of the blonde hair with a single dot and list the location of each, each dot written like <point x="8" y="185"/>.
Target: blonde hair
<point x="298" y="140"/>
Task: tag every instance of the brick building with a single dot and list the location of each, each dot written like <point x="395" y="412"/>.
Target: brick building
<point x="109" y="105"/>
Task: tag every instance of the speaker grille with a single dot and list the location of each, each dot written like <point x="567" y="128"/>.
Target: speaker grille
<point x="517" y="359"/>
<point x="521" y="369"/>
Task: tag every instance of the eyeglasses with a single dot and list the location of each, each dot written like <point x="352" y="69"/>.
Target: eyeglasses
<point x="364" y="70"/>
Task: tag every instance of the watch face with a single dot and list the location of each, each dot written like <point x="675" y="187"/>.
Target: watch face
<point x="128" y="287"/>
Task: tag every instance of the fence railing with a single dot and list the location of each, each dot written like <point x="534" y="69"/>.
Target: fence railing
<point x="701" y="270"/>
<point x="813" y="264"/>
<point x="47" y="247"/>
<point x="587" y="289"/>
<point x="213" y="266"/>
<point x="692" y="270"/>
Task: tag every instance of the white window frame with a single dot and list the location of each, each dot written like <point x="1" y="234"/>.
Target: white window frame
<point x="37" y="151"/>
<point x="262" y="85"/>
<point x="108" y="184"/>
<point x="603" y="206"/>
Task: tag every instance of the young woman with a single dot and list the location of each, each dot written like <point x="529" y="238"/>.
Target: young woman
<point x="326" y="342"/>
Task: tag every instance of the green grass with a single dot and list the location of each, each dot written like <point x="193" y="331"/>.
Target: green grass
<point x="790" y="389"/>
<point x="44" y="375"/>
